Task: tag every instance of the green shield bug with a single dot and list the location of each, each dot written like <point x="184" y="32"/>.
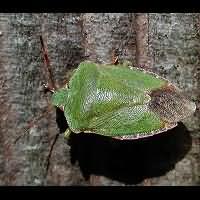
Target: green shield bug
<point x="123" y="103"/>
<point x="118" y="100"/>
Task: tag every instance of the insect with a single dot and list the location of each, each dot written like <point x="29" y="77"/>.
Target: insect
<point x="119" y="101"/>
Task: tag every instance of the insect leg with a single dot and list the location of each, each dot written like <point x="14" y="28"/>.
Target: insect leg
<point x="115" y="57"/>
<point x="48" y="88"/>
<point x="116" y="61"/>
<point x="67" y="133"/>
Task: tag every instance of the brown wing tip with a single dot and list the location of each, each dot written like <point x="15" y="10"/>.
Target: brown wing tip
<point x="171" y="104"/>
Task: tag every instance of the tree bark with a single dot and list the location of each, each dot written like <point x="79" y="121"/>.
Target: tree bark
<point x="168" y="44"/>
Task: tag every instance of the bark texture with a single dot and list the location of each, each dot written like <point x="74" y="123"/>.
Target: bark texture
<point x="168" y="44"/>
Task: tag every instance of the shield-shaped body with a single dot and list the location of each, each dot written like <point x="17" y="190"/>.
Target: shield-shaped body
<point x="120" y="102"/>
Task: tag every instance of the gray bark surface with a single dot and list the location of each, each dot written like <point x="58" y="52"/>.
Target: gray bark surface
<point x="168" y="44"/>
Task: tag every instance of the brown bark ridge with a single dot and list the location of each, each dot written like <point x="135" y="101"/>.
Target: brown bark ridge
<point x="142" y="40"/>
<point x="165" y="43"/>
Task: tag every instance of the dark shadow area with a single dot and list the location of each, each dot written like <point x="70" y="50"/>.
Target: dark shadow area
<point x="61" y="121"/>
<point x="129" y="161"/>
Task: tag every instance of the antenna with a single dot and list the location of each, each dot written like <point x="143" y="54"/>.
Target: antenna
<point x="49" y="77"/>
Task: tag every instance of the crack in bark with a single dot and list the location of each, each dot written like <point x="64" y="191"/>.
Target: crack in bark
<point x="50" y="153"/>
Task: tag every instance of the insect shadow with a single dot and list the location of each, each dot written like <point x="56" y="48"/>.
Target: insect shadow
<point x="127" y="161"/>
